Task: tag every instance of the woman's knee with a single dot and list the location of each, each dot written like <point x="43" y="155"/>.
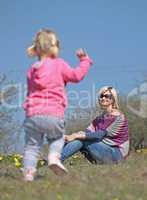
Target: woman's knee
<point x="71" y="148"/>
<point x="75" y="143"/>
<point x="100" y="152"/>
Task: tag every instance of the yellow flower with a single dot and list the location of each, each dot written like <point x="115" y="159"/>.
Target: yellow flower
<point x="75" y="156"/>
<point x="42" y="162"/>
<point x="18" y="164"/>
<point x="59" y="197"/>
<point x="15" y="159"/>
<point x="1" y="158"/>
<point x="144" y="150"/>
<point x="138" y="151"/>
<point x="141" y="150"/>
<point x="18" y="156"/>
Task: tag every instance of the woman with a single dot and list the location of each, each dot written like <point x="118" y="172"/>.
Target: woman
<point x="106" y="140"/>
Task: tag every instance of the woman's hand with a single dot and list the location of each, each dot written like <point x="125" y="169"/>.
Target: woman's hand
<point x="74" y="136"/>
<point x="71" y="137"/>
<point x="81" y="53"/>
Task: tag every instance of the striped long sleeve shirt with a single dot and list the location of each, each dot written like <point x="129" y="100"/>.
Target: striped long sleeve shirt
<point x="112" y="130"/>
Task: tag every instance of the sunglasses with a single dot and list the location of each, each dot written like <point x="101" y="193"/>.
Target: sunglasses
<point x="107" y="96"/>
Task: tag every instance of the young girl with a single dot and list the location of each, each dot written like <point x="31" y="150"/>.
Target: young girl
<point x="46" y="100"/>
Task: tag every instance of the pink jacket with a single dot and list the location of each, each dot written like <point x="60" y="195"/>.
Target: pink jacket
<point x="46" y="85"/>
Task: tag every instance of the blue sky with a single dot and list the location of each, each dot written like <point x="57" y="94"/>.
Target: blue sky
<point x="113" y="32"/>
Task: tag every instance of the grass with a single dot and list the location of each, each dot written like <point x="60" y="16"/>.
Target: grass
<point x="125" y="181"/>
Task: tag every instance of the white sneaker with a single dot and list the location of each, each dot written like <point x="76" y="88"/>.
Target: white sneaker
<point x="29" y="174"/>
<point x="57" y="167"/>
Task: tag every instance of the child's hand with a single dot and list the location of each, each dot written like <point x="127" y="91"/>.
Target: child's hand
<point x="31" y="52"/>
<point x="81" y="53"/>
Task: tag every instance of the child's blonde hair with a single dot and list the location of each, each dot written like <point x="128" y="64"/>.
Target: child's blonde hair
<point x="114" y="95"/>
<point x="45" y="43"/>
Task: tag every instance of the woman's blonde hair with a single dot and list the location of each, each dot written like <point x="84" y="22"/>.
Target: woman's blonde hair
<point x="45" y="42"/>
<point x="114" y="95"/>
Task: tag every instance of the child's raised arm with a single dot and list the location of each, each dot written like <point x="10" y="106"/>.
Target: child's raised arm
<point x="78" y="73"/>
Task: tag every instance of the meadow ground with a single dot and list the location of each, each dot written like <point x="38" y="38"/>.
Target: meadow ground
<point x="85" y="181"/>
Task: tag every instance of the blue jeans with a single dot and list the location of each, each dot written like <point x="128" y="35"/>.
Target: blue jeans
<point x="97" y="152"/>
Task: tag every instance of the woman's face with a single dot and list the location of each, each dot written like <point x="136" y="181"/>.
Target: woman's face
<point x="106" y="99"/>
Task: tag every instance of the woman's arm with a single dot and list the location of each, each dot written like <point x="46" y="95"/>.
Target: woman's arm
<point x="87" y="135"/>
<point x="116" y="127"/>
<point x="97" y="135"/>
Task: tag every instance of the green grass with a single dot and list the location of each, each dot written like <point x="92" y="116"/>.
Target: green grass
<point x="125" y="181"/>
